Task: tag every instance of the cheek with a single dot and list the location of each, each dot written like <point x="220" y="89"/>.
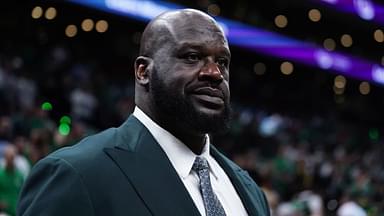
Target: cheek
<point x="226" y="88"/>
<point x="174" y="80"/>
<point x="183" y="75"/>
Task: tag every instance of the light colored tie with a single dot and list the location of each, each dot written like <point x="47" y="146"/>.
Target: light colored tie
<point x="212" y="204"/>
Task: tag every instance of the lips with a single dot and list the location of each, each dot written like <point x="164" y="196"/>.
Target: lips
<point x="209" y="96"/>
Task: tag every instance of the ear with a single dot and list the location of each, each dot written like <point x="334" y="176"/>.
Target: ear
<point x="143" y="66"/>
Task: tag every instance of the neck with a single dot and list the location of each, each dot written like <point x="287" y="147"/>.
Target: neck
<point x="193" y="139"/>
<point x="195" y="142"/>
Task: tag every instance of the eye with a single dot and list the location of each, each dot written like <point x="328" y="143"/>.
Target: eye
<point x="192" y="57"/>
<point x="223" y="62"/>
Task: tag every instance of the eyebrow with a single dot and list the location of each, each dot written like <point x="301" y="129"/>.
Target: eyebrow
<point x="200" y="46"/>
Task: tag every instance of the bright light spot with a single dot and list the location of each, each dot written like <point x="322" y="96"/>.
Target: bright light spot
<point x="50" y="13"/>
<point x="364" y="88"/>
<point x="364" y="9"/>
<point x="281" y="21"/>
<point x="346" y="40"/>
<point x="140" y="8"/>
<point x="71" y="31"/>
<point x="270" y="125"/>
<point x="259" y="68"/>
<point x="101" y="26"/>
<point x="37" y="12"/>
<point x="65" y="120"/>
<point x="47" y="106"/>
<point x="214" y="9"/>
<point x="64" y="129"/>
<point x="87" y="25"/>
<point x="340" y="82"/>
<point x="378" y="74"/>
<point x="324" y="59"/>
<point x="329" y="44"/>
<point x="379" y="35"/>
<point x="314" y="15"/>
<point x="286" y="68"/>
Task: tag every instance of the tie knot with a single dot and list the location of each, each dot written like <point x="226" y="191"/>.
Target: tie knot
<point x="200" y="164"/>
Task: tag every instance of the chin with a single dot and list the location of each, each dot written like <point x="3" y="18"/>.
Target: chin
<point x="211" y="113"/>
<point x="210" y="121"/>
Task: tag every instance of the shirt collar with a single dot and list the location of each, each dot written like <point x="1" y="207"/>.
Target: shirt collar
<point x="179" y="154"/>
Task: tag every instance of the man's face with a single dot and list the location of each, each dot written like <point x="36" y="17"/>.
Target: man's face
<point x="189" y="83"/>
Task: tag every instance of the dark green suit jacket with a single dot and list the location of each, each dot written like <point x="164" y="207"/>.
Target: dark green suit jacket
<point x="121" y="171"/>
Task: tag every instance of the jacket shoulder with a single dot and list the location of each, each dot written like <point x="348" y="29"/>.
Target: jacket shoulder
<point x="252" y="188"/>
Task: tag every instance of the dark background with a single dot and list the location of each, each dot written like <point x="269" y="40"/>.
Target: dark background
<point x="311" y="127"/>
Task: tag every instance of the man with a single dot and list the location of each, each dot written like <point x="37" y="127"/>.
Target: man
<point x="11" y="181"/>
<point x="160" y="161"/>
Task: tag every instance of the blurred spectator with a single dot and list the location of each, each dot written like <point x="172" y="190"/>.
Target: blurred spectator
<point x="26" y="93"/>
<point x="351" y="208"/>
<point x="11" y="181"/>
<point x="314" y="202"/>
<point x="287" y="209"/>
<point x="20" y="162"/>
<point x="5" y="128"/>
<point x="83" y="103"/>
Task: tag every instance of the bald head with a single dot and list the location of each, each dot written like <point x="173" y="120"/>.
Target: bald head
<point x="182" y="75"/>
<point x="166" y="28"/>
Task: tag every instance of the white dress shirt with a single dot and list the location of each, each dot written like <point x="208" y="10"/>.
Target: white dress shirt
<point x="182" y="159"/>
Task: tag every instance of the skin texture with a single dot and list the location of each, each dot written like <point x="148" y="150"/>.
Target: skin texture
<point x="182" y="76"/>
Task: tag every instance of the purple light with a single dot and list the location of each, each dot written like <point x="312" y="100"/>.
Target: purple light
<point x="258" y="40"/>
<point x="365" y="9"/>
<point x="378" y="74"/>
<point x="324" y="60"/>
<point x="271" y="44"/>
<point x="330" y="1"/>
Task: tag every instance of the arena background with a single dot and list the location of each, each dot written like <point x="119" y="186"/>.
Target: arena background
<point x="309" y="131"/>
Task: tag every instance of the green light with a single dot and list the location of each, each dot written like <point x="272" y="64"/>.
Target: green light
<point x="65" y="120"/>
<point x="46" y="106"/>
<point x="64" y="129"/>
<point x="373" y="134"/>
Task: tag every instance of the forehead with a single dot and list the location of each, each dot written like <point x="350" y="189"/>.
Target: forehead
<point x="206" y="47"/>
<point x="199" y="35"/>
<point x="193" y="27"/>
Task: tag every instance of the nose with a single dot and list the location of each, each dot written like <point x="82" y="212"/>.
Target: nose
<point x="211" y="72"/>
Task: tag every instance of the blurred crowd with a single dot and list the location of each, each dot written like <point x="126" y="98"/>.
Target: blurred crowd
<point x="321" y="165"/>
<point x="318" y="166"/>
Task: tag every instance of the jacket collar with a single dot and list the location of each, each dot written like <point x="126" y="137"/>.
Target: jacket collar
<point x="240" y="180"/>
<point x="150" y="172"/>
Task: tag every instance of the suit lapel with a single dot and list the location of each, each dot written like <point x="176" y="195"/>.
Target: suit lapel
<point x="149" y="171"/>
<point x="240" y="184"/>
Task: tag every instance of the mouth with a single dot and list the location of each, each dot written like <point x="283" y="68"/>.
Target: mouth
<point x="210" y="97"/>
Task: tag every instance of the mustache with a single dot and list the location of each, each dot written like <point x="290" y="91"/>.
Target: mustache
<point x="206" y="90"/>
<point x="209" y="89"/>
